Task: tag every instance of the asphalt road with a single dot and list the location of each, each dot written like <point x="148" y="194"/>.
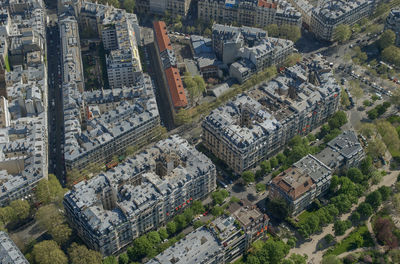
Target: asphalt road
<point x="56" y="121"/>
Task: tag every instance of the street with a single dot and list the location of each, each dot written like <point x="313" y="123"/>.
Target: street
<point x="56" y="121"/>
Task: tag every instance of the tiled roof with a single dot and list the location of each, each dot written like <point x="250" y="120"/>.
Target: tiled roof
<point x="163" y="40"/>
<point x="176" y="87"/>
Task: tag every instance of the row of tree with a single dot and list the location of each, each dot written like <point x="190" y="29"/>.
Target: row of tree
<point x="128" y="5"/>
<point x="49" y="252"/>
<point x="290" y="32"/>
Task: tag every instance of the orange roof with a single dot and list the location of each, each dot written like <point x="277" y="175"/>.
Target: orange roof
<point x="264" y="3"/>
<point x="176" y="87"/>
<point x="161" y="35"/>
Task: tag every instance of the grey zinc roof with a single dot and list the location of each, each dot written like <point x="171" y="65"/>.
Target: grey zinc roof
<point x="346" y="144"/>
<point x="313" y="167"/>
<point x="132" y="200"/>
<point x="225" y="119"/>
<point x="9" y="252"/>
<point x="197" y="247"/>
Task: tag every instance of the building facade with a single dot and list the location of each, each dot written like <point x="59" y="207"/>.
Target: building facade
<point x="139" y="195"/>
<point x="160" y="7"/>
<point x="393" y="23"/>
<point x="325" y="18"/>
<point x="258" y="13"/>
<point x="258" y="124"/>
<point x="299" y="185"/>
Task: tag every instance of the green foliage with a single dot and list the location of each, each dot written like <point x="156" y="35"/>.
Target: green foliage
<point x="360" y="237"/>
<point x="374" y="199"/>
<point x="217" y="211"/>
<point x="123" y="258"/>
<point x="49" y="190"/>
<point x="331" y="259"/>
<point x="171" y="228"/>
<point x="197" y="207"/>
<point x="219" y="196"/>
<point x="387" y="39"/>
<point x="80" y="254"/>
<point x="163" y="233"/>
<point x="292" y="59"/>
<point x="129" y="5"/>
<point x="340" y="227"/>
<point x="21" y="209"/>
<point x="260" y="187"/>
<point x="365" y="210"/>
<point x="385" y="192"/>
<point x="110" y="260"/>
<point x="355" y="89"/>
<point x="279" y="208"/>
<point x="391" y="54"/>
<point x="248" y="176"/>
<point x="273" y="30"/>
<point x="154" y="237"/>
<point x="342" y="33"/>
<point x="376" y="148"/>
<point x="141" y="248"/>
<point x="355" y="175"/>
<point x="50" y="218"/>
<point x="7" y="63"/>
<point x="183" y="117"/>
<point x="48" y="252"/>
<point x="197" y="224"/>
<point x="274" y="162"/>
<point x="290" y="32"/>
<point x="234" y="199"/>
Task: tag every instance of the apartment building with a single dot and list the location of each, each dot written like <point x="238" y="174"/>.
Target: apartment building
<point x="342" y="152"/>
<point x="299" y="185"/>
<point x="160" y="7"/>
<point x="305" y="9"/>
<point x="258" y="124"/>
<point x="393" y="22"/>
<point x="168" y="64"/>
<point x="99" y="126"/>
<point x="330" y="14"/>
<point x="140" y="195"/>
<point x="9" y="252"/>
<point x="223" y="241"/>
<point x="23" y="106"/>
<point x="258" y="13"/>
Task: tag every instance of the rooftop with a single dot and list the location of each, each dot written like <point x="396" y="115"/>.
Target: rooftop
<point x="9" y="252"/>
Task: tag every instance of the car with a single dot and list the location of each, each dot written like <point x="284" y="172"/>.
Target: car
<point x="205" y="213"/>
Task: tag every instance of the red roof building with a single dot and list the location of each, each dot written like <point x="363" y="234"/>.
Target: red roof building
<point x="172" y="75"/>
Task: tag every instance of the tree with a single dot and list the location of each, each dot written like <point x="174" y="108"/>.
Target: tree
<point x="171" y="228"/>
<point x="49" y="190"/>
<point x="273" y="251"/>
<point x="141" y="248"/>
<point x="355" y="175"/>
<point x="21" y="209"/>
<point x="387" y="39"/>
<point x="207" y="32"/>
<point x="197" y="207"/>
<point x="374" y="199"/>
<point x="50" y="218"/>
<point x="154" y="237"/>
<point x="219" y="196"/>
<point x="290" y="32"/>
<point x="265" y="166"/>
<point x="298" y="259"/>
<point x="385" y="192"/>
<point x="48" y="252"/>
<point x="183" y="117"/>
<point x="383" y="228"/>
<point x="274" y="162"/>
<point x="392" y="55"/>
<point x="278" y="207"/>
<point x="217" y="211"/>
<point x="80" y="254"/>
<point x="376" y="148"/>
<point x="342" y="33"/>
<point x="123" y="258"/>
<point x="180" y="222"/>
<point x="110" y="260"/>
<point x="248" y="176"/>
<point x="273" y="30"/>
<point x="366" y="165"/>
<point x="355" y="89"/>
<point x="340" y="227"/>
<point x="365" y="210"/>
<point x="162" y="232"/>
<point x="331" y="259"/>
